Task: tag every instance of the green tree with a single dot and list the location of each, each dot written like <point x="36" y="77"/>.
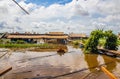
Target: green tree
<point x="111" y="40"/>
<point x="93" y="41"/>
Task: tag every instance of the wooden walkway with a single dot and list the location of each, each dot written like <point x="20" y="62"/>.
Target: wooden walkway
<point x="110" y="52"/>
<point x="5" y="69"/>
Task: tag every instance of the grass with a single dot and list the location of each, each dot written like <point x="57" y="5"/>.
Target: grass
<point x="79" y="41"/>
<point x="42" y="46"/>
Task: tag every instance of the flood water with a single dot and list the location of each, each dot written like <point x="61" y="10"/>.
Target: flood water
<point x="51" y="65"/>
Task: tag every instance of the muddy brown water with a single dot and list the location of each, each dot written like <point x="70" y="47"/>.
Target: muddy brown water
<point x="51" y="65"/>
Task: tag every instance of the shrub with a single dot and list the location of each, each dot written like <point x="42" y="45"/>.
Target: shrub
<point x="20" y="42"/>
<point x="76" y="43"/>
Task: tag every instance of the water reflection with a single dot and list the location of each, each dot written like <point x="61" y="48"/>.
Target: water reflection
<point x="91" y="60"/>
<point x="112" y="61"/>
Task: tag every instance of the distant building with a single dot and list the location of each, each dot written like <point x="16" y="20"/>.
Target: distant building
<point x="56" y="37"/>
<point x="56" y="33"/>
<point x="29" y="38"/>
<point x="74" y="36"/>
<point x="52" y="37"/>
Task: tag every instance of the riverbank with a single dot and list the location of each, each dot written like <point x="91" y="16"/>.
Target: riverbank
<point x="33" y="47"/>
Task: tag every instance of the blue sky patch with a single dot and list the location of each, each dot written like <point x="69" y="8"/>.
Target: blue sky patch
<point x="48" y="2"/>
<point x="97" y="15"/>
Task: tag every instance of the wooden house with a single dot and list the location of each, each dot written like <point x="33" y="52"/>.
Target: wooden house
<point x="74" y="36"/>
<point x="56" y="37"/>
<point x="52" y="37"/>
<point x="28" y="38"/>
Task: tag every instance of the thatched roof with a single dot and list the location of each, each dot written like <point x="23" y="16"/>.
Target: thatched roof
<point x="56" y="33"/>
<point x="24" y="36"/>
<point x="36" y="36"/>
<point x="77" y="35"/>
<point x="57" y="37"/>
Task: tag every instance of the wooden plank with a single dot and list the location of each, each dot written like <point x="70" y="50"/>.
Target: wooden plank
<point x="111" y="51"/>
<point x="5" y="70"/>
<point x="3" y="55"/>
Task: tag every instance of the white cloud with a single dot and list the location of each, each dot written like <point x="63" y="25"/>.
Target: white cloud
<point x="75" y="16"/>
<point x="110" y="18"/>
<point x="109" y="7"/>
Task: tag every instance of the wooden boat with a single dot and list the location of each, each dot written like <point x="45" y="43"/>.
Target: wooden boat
<point x="61" y="51"/>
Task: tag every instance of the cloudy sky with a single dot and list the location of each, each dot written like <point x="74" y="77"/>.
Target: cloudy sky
<point x="78" y="16"/>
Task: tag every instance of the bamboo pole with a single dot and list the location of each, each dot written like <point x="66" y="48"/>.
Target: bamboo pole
<point x="21" y="7"/>
<point x="108" y="73"/>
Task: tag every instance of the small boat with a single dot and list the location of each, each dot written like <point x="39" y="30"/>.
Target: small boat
<point x="61" y="51"/>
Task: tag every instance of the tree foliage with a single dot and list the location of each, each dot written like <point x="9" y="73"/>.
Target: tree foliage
<point x="93" y="41"/>
<point x="111" y="40"/>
